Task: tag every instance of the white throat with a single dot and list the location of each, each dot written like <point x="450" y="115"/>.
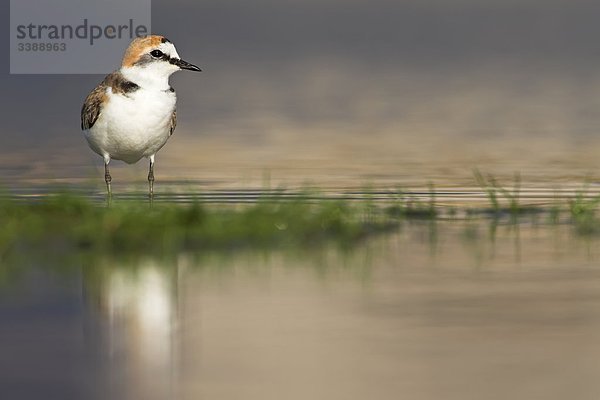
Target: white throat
<point x="148" y="78"/>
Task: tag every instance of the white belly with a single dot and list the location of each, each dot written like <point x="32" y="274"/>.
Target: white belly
<point x="133" y="126"/>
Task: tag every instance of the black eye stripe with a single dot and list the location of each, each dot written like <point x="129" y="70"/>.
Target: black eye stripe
<point x="159" y="55"/>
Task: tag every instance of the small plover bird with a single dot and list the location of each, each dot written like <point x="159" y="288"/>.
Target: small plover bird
<point x="131" y="113"/>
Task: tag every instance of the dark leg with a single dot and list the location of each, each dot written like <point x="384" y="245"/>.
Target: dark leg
<point x="107" y="179"/>
<point x="151" y="178"/>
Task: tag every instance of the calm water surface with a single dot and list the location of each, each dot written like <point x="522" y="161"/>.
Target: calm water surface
<point x="451" y="309"/>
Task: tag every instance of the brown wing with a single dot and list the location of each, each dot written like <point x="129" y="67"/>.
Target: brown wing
<point x="93" y="106"/>
<point x="173" y="122"/>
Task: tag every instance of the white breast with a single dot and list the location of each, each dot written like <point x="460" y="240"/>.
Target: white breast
<point x="134" y="125"/>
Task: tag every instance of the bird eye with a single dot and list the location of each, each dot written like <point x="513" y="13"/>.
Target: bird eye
<point x="156" y="53"/>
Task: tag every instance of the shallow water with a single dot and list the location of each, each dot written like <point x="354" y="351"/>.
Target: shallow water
<point x="450" y="309"/>
<point x="457" y="309"/>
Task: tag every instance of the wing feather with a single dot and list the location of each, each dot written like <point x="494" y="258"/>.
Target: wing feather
<point x="173" y="122"/>
<point x="92" y="107"/>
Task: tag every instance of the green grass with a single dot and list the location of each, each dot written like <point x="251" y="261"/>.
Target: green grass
<point x="582" y="210"/>
<point x="503" y="200"/>
<point x="68" y="222"/>
<point x="409" y="207"/>
<point x="65" y="231"/>
<point x="62" y="223"/>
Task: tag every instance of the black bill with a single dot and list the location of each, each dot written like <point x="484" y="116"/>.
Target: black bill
<point x="184" y="64"/>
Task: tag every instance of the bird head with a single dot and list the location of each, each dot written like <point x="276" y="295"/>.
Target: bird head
<point x="154" y="57"/>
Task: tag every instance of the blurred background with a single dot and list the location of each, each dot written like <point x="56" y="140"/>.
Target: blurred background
<point x="334" y="92"/>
